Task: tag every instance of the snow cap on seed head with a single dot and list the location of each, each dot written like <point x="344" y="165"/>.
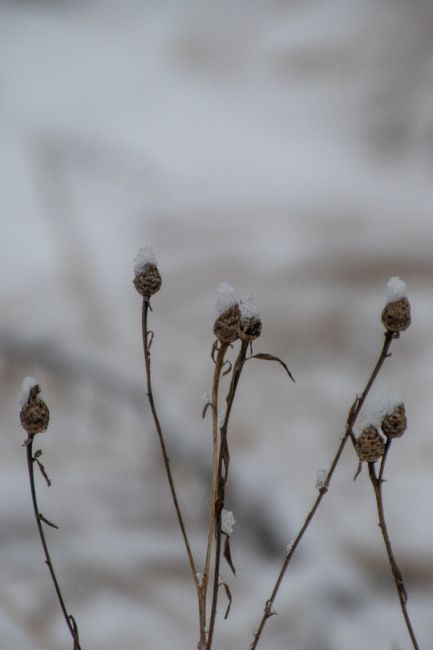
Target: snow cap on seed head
<point x="395" y="289"/>
<point x="147" y="278"/>
<point x="145" y="255"/>
<point x="26" y="386"/>
<point x="226" y="297"/>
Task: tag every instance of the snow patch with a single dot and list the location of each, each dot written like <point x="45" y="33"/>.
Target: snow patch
<point x="226" y="297"/>
<point x="395" y="289"/>
<point x="145" y="255"/>
<point x="26" y="386"/>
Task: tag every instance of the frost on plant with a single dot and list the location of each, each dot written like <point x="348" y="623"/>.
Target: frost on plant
<point x="227" y="521"/>
<point x="395" y="289"/>
<point x="26" y="386"/>
<point x="226" y="297"/>
<point x="321" y="477"/>
<point x="145" y="255"/>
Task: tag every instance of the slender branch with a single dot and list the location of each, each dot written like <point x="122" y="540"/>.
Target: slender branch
<point x="222" y="482"/>
<point x="351" y="419"/>
<point x="396" y="573"/>
<point x="70" y="621"/>
<point x="219" y="363"/>
<point x="166" y="459"/>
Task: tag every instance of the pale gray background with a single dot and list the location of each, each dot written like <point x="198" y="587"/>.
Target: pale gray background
<point x="286" y="147"/>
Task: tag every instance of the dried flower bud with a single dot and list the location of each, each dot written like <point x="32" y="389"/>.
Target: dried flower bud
<point x="227" y="325"/>
<point x="394" y="424"/>
<point x="250" y="324"/>
<point x="370" y="445"/>
<point x="396" y="315"/>
<point x="148" y="281"/>
<point x="34" y="414"/>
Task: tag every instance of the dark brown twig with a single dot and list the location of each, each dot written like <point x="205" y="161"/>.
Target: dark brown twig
<point x="166" y="459"/>
<point x="223" y="465"/>
<point x="351" y="419"/>
<point x="396" y="573"/>
<point x="70" y="621"/>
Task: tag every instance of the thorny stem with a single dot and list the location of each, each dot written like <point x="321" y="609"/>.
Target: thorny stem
<point x="69" y="619"/>
<point x="397" y="575"/>
<point x="351" y="419"/>
<point x="219" y="362"/>
<point x="166" y="459"/>
<point x="222" y="483"/>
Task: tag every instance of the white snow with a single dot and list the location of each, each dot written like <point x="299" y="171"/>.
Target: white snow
<point x="248" y="307"/>
<point x="145" y="255"/>
<point x="376" y="410"/>
<point x="26" y="386"/>
<point x="395" y="289"/>
<point x="321" y="476"/>
<point x="227" y="521"/>
<point x="226" y="297"/>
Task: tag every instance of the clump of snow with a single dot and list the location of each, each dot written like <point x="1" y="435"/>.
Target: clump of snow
<point x="227" y="521"/>
<point x="26" y="386"/>
<point x="321" y="477"/>
<point x="378" y="409"/>
<point x="205" y="398"/>
<point x="248" y="307"/>
<point x="199" y="579"/>
<point x="145" y="255"/>
<point x="395" y="289"/>
<point x="226" y="297"/>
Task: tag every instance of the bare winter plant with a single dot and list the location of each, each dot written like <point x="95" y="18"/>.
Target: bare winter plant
<point x="238" y="323"/>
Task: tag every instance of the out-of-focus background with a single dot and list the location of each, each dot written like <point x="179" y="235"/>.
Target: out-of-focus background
<point x="286" y="147"/>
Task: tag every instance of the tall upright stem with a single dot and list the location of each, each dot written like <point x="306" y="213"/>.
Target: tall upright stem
<point x="351" y="419"/>
<point x="166" y="459"/>
<point x="222" y="482"/>
<point x="69" y="619"/>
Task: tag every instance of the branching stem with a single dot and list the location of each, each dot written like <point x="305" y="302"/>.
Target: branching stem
<point x="351" y="419"/>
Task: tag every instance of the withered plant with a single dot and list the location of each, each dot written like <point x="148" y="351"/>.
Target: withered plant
<point x="238" y="324"/>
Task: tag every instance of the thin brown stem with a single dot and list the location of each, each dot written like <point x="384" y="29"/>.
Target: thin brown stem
<point x="377" y="483"/>
<point x="166" y="459"/>
<point x="219" y="363"/>
<point x="222" y="483"/>
<point x="351" y="419"/>
<point x="69" y="620"/>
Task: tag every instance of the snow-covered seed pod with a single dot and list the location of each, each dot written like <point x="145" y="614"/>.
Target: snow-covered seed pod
<point x="396" y="313"/>
<point x="147" y="279"/>
<point x="250" y="326"/>
<point x="227" y="325"/>
<point x="370" y="445"/>
<point x="394" y="424"/>
<point x="34" y="414"/>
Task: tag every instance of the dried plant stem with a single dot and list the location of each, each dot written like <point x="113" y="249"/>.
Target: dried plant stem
<point x="223" y="462"/>
<point x="397" y="575"/>
<point x="69" y="619"/>
<point x="351" y="419"/>
<point x="166" y="459"/>
<point x="219" y="363"/>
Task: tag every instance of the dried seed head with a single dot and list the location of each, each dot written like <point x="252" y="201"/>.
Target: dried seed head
<point x="147" y="279"/>
<point x="34" y="414"/>
<point x="250" y="323"/>
<point x="227" y="325"/>
<point x="250" y="329"/>
<point x="370" y="445"/>
<point x="396" y="315"/>
<point x="394" y="424"/>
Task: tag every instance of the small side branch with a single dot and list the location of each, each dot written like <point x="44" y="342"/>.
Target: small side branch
<point x="350" y="422"/>
<point x="40" y="519"/>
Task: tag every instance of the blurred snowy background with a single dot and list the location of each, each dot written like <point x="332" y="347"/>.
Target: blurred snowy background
<point x="286" y="147"/>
